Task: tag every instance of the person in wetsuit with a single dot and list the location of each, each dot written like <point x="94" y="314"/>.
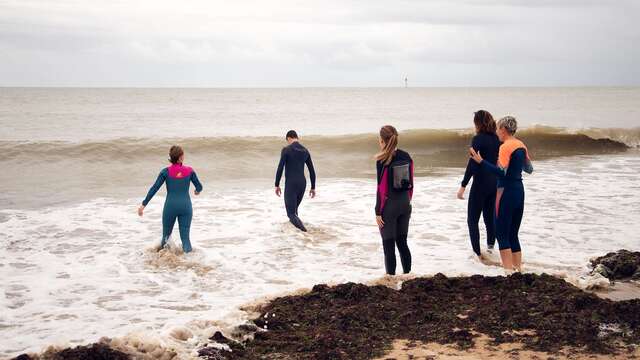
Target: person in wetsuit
<point x="292" y="160"/>
<point x="177" y="205"/>
<point x="482" y="197"/>
<point x="513" y="158"/>
<point x="394" y="168"/>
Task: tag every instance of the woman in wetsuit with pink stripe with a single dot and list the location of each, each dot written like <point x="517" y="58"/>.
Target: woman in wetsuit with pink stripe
<point x="178" y="203"/>
<point x="393" y="200"/>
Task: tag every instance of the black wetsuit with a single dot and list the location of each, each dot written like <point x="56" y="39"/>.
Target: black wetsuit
<point x="393" y="203"/>
<point x="482" y="197"/>
<point x="292" y="161"/>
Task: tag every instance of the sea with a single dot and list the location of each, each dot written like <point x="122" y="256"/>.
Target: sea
<point x="77" y="263"/>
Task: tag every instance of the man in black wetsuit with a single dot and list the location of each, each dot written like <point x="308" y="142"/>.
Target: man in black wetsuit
<point x="292" y="161"/>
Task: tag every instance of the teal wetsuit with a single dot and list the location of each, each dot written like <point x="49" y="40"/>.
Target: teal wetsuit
<point x="178" y="202"/>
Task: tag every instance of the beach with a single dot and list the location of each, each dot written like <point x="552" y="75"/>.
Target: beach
<point x="522" y="316"/>
<point x="78" y="264"/>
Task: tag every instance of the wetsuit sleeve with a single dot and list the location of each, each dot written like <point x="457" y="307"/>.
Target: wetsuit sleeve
<point x="312" y="172"/>
<point x="528" y="166"/>
<point x="472" y="166"/>
<point x="283" y="158"/>
<point x="379" y="195"/>
<point x="196" y="182"/>
<point x="497" y="170"/>
<point x="155" y="187"/>
<point x="411" y="171"/>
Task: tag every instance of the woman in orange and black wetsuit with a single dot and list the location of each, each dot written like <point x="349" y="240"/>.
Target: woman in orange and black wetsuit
<point x="513" y="158"/>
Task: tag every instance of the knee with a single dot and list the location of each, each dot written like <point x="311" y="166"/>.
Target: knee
<point x="402" y="241"/>
<point x="515" y="246"/>
<point x="388" y="245"/>
<point x="503" y="243"/>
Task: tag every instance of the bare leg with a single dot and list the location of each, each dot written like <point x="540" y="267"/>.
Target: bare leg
<point x="507" y="259"/>
<point x="517" y="260"/>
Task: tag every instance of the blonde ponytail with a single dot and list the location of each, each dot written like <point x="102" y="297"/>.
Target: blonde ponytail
<point x="389" y="136"/>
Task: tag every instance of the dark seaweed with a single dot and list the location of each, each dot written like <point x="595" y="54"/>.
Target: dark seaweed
<point x="355" y="321"/>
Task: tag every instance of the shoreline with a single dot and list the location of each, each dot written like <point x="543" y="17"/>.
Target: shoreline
<point x="437" y="318"/>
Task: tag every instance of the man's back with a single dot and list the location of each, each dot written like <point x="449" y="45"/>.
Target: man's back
<point x="292" y="160"/>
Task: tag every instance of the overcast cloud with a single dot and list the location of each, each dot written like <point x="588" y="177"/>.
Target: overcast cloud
<point x="319" y="43"/>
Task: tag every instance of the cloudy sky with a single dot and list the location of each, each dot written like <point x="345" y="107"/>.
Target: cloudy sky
<point x="319" y="43"/>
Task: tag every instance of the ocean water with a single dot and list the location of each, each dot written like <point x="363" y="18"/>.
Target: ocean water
<point x="77" y="263"/>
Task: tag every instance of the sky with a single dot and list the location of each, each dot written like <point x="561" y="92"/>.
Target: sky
<point x="264" y="43"/>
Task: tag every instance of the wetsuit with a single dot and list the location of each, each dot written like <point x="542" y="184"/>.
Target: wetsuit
<point x="178" y="203"/>
<point x="292" y="161"/>
<point x="393" y="203"/>
<point x="512" y="160"/>
<point x="482" y="196"/>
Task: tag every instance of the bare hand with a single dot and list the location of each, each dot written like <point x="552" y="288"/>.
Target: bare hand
<point x="278" y="191"/>
<point x="312" y="193"/>
<point x="461" y="193"/>
<point x="475" y="155"/>
<point x="141" y="210"/>
<point x="196" y="193"/>
<point x="380" y="221"/>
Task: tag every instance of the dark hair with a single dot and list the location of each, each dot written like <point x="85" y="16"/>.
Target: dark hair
<point x="291" y="134"/>
<point x="389" y="136"/>
<point x="175" y="153"/>
<point x="484" y="122"/>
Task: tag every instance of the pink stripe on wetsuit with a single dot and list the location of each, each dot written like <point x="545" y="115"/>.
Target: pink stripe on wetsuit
<point x="179" y="171"/>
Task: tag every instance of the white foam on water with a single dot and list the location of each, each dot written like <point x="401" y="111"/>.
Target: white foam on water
<point x="71" y="275"/>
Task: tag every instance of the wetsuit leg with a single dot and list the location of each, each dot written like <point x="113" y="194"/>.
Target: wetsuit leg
<point x="168" y="220"/>
<point x="515" y="223"/>
<point x="184" y="224"/>
<point x="402" y="231"/>
<point x="388" y="233"/>
<point x="503" y="221"/>
<point x="488" y="214"/>
<point x="292" y="199"/>
<point x="300" y="197"/>
<point x="474" y="208"/>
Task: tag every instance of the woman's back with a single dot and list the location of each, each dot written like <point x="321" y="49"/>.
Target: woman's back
<point x="178" y="180"/>
<point x="488" y="145"/>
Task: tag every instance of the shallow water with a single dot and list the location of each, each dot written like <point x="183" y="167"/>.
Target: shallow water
<point x="72" y="274"/>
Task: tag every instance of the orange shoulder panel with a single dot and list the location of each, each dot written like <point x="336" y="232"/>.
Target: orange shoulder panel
<point x="507" y="148"/>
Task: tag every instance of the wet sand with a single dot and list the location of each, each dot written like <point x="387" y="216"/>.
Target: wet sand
<point x="485" y="350"/>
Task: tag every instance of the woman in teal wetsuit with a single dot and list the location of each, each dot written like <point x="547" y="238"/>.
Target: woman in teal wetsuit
<point x="178" y="203"/>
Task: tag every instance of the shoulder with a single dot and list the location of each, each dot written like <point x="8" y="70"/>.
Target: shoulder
<point x="477" y="139"/>
<point x="402" y="155"/>
<point x="164" y="171"/>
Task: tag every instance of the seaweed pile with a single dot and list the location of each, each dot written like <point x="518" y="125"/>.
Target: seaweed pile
<point x="619" y="265"/>
<point x="355" y="321"/>
<point x="97" y="351"/>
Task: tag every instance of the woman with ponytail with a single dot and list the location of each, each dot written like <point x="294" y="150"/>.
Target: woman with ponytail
<point x="393" y="201"/>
